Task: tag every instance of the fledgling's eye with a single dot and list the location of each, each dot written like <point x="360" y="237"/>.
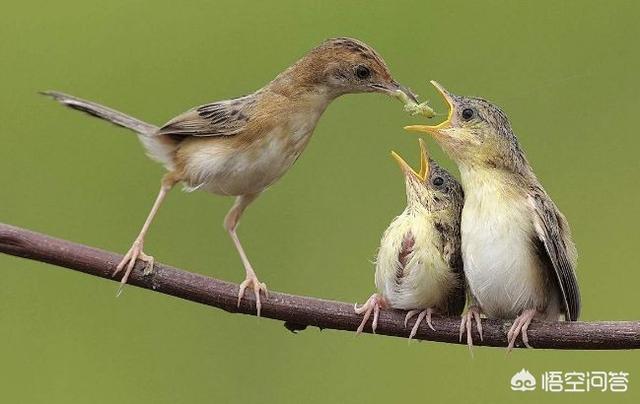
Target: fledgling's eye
<point x="363" y="72"/>
<point x="438" y="181"/>
<point x="467" y="113"/>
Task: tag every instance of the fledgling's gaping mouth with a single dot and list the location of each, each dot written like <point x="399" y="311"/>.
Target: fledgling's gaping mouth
<point x="448" y="97"/>
<point x="424" y="163"/>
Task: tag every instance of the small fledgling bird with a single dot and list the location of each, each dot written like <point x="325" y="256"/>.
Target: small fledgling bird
<point x="419" y="263"/>
<point x="518" y="255"/>
<point x="239" y="147"/>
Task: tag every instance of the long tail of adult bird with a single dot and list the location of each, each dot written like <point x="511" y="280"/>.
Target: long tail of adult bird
<point x="158" y="148"/>
<point x="102" y="112"/>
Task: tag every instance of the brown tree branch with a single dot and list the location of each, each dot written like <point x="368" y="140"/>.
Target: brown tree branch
<point x="299" y="311"/>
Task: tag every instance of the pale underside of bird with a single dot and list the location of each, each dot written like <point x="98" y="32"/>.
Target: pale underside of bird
<point x="518" y="254"/>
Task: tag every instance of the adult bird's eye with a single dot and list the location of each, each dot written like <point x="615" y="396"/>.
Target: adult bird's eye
<point x="363" y="72"/>
<point x="467" y="114"/>
<point x="438" y="181"/>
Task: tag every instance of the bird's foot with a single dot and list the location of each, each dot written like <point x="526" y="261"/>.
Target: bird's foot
<point x="251" y="281"/>
<point x="466" y="324"/>
<point x="519" y="327"/>
<point x="422" y="315"/>
<point x="372" y="305"/>
<point x="129" y="261"/>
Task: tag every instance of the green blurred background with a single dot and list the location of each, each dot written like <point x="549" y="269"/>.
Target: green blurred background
<point x="565" y="72"/>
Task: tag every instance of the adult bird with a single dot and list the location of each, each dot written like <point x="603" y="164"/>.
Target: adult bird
<point x="518" y="254"/>
<point x="241" y="146"/>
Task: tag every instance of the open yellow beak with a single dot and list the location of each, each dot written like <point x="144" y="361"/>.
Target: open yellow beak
<point x="424" y="163"/>
<point x="433" y="130"/>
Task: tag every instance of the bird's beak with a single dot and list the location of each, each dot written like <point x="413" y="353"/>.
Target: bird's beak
<point x="395" y="89"/>
<point x="434" y="130"/>
<point x="407" y="92"/>
<point x="424" y="163"/>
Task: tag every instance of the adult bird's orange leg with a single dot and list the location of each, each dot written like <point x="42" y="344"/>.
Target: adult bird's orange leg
<point x="136" y="251"/>
<point x="231" y="224"/>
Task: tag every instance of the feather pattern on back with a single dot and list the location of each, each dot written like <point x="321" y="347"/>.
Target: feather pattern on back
<point x="222" y="118"/>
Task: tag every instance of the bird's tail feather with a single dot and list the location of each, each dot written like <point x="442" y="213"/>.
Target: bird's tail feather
<point x="102" y="112"/>
<point x="159" y="148"/>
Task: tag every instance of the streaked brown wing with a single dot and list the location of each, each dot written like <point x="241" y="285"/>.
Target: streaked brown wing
<point x="553" y="233"/>
<point x="222" y="118"/>
<point x="452" y="254"/>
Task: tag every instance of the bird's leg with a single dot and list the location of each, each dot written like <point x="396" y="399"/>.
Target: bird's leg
<point x="410" y="315"/>
<point x="135" y="252"/>
<point x="466" y="323"/>
<point x="422" y="315"/>
<point x="231" y="224"/>
<point x="520" y="326"/>
<point x="373" y="305"/>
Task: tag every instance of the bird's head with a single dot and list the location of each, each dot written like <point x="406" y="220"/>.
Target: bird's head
<point x="475" y="133"/>
<point x="432" y="187"/>
<point x="347" y="65"/>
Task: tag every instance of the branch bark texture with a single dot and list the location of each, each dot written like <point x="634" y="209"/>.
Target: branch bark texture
<point x="300" y="311"/>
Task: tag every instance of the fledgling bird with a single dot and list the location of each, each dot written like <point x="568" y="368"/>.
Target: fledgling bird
<point x="519" y="258"/>
<point x="419" y="263"/>
<point x="239" y="147"/>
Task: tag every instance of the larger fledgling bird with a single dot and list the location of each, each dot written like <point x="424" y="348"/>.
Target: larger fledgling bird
<point x="518" y="254"/>
<point x="419" y="262"/>
<point x="239" y="147"/>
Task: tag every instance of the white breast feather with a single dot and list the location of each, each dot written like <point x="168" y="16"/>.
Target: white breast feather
<point x="502" y="269"/>
<point x="427" y="280"/>
<point x="224" y="171"/>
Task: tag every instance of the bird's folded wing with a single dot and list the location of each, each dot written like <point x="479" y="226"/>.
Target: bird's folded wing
<point x="553" y="233"/>
<point x="223" y="118"/>
<point x="452" y="254"/>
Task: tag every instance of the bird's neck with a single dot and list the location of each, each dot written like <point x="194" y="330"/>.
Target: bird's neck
<point x="481" y="182"/>
<point x="426" y="210"/>
<point x="470" y="174"/>
<point x="305" y="81"/>
<point x="308" y="101"/>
